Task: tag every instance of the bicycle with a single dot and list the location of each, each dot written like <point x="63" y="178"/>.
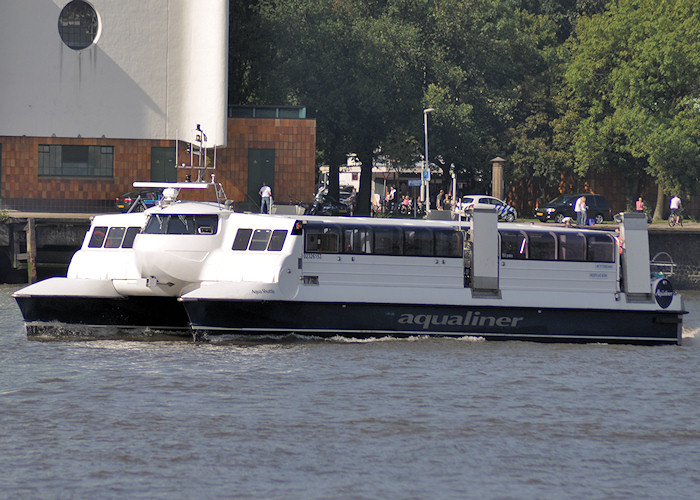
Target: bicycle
<point x="675" y="219"/>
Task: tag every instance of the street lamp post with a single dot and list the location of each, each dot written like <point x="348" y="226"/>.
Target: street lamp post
<point x="426" y="167"/>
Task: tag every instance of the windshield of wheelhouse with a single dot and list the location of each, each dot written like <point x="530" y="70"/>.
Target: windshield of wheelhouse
<point x="205" y="224"/>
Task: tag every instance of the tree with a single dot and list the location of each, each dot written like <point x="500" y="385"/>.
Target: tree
<point x="486" y="66"/>
<point x="354" y="66"/>
<point x="249" y="52"/>
<point x="634" y="79"/>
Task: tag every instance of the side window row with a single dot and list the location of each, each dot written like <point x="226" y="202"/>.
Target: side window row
<point x="113" y="237"/>
<point x="384" y="240"/>
<point x="260" y="239"/>
<point x="537" y="245"/>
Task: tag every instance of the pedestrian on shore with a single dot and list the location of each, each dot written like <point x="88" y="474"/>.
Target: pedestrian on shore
<point x="266" y="199"/>
<point x="675" y="206"/>
<point x="580" y="209"/>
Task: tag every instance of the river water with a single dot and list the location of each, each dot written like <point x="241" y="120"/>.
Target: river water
<point x="422" y="418"/>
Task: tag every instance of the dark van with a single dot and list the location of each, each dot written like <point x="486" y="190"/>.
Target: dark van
<point x="563" y="206"/>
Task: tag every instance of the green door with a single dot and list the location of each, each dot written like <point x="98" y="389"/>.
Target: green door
<point x="163" y="165"/>
<point x="261" y="169"/>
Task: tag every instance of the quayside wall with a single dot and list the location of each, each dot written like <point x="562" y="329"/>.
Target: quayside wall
<point x="36" y="246"/>
<point x="683" y="245"/>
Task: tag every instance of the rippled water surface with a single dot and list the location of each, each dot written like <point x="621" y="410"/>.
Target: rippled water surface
<point x="419" y="418"/>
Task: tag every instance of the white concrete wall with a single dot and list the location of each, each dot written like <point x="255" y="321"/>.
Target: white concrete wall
<point x="158" y="68"/>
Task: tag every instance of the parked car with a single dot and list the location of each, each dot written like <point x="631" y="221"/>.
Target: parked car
<point x="138" y="201"/>
<point x="563" y="206"/>
<point x="465" y="206"/>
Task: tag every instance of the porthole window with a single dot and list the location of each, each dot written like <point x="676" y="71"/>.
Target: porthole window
<point x="78" y="25"/>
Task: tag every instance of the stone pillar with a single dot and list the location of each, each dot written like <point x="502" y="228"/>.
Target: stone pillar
<point x="497" y="177"/>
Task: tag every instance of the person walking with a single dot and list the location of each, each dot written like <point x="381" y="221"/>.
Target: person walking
<point x="390" y="198"/>
<point x="580" y="209"/>
<point x="266" y="199"/>
<point x="639" y="206"/>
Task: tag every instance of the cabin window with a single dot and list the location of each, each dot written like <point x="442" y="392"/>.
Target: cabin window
<point x="513" y="245"/>
<point x="182" y="224"/>
<point x="261" y="237"/>
<point x="156" y="224"/>
<point x="388" y="241"/>
<point x="130" y="237"/>
<point x="541" y="246"/>
<point x="115" y="237"/>
<point x="97" y="237"/>
<point x="242" y="239"/>
<point x="448" y="243"/>
<point x="277" y="240"/>
<point x="206" y="224"/>
<point x="383" y="240"/>
<point x="601" y="248"/>
<point x="357" y="240"/>
<point x="322" y="239"/>
<point x="572" y="246"/>
<point x="418" y="241"/>
<point x="537" y="245"/>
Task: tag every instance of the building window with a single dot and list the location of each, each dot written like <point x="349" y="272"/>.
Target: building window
<point x="75" y="161"/>
<point x="78" y="25"/>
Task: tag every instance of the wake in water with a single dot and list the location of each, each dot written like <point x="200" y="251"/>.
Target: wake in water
<point x="60" y="331"/>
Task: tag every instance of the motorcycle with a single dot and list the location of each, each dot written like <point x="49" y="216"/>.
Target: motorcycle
<point x="325" y="205"/>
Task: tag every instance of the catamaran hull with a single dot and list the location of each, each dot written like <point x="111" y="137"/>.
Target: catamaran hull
<point x="362" y="320"/>
<point x="102" y="316"/>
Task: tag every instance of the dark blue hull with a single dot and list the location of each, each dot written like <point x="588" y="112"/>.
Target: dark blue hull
<point x="400" y="320"/>
<point x="118" y="317"/>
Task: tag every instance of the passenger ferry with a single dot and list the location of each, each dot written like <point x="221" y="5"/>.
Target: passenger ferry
<point x="104" y="292"/>
<point x="202" y="269"/>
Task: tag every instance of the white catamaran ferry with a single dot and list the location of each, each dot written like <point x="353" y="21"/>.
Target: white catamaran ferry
<point x="203" y="269"/>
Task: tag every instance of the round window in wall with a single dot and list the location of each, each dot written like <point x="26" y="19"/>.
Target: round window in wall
<point x="78" y="25"/>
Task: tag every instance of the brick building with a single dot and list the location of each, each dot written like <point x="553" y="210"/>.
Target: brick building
<point x="69" y="174"/>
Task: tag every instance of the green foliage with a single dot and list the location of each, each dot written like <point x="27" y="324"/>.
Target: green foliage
<point x="353" y="65"/>
<point x="634" y="75"/>
<point x="554" y="86"/>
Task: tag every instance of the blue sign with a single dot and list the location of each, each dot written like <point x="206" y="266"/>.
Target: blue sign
<point x="414" y="182"/>
<point x="426" y="175"/>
